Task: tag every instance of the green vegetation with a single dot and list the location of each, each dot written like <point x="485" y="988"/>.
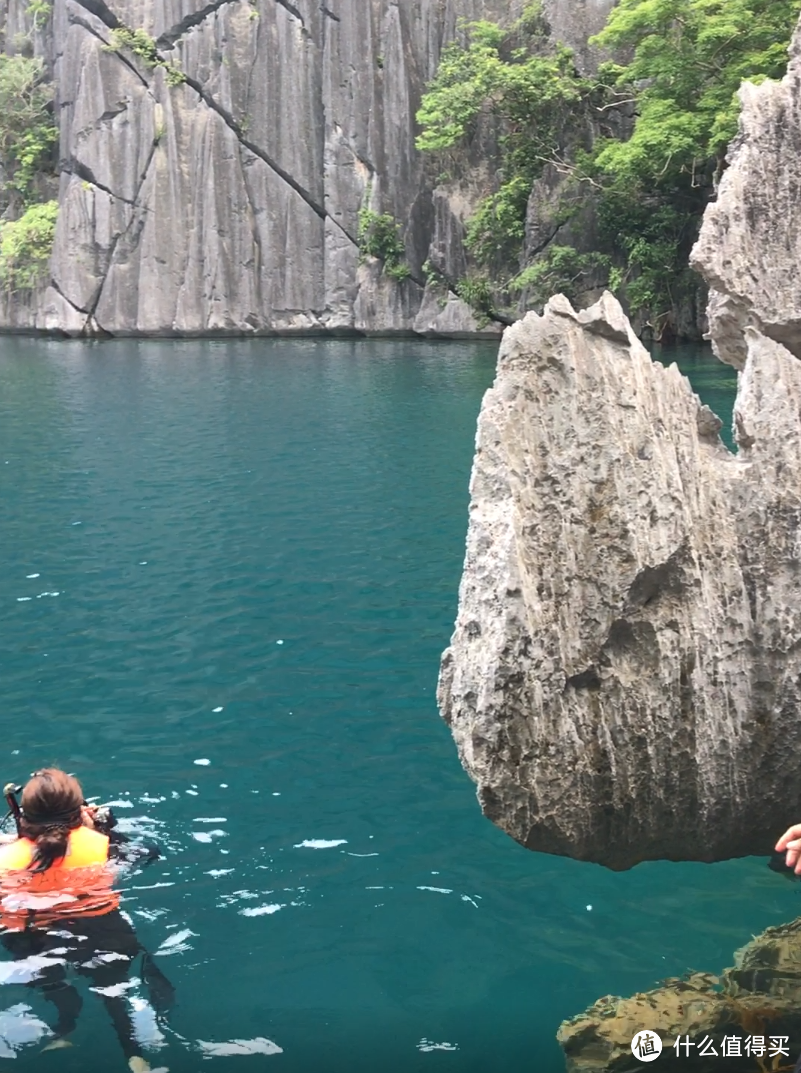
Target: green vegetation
<point x="27" y="138"/>
<point x="41" y="10"/>
<point x="477" y="292"/>
<point x="380" y="236"/>
<point x="690" y="57"/>
<point x="647" y="178"/>
<point x="137" y="41"/>
<point x="535" y="94"/>
<point x="141" y="44"/>
<point x="26" y="245"/>
<point x="560" y="270"/>
<point x="27" y="130"/>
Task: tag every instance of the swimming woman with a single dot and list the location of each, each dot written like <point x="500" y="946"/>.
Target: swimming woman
<point x="57" y="894"/>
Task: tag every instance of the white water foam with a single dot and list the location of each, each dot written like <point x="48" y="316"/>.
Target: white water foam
<point x="175" y="944"/>
<point x="19" y="1026"/>
<point x="208" y="836"/>
<point x="145" y="1024"/>
<point x="232" y="1047"/>
<point x="429" y="1045"/>
<point x="260" y="910"/>
<point x="321" y="843"/>
<point x="27" y="969"/>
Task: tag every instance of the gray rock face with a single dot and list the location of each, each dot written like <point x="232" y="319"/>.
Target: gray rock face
<point x="750" y="243"/>
<point x="623" y="681"/>
<point x="575" y="22"/>
<point x="229" y="203"/>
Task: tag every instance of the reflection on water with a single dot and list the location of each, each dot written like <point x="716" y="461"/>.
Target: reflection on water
<point x="228" y="572"/>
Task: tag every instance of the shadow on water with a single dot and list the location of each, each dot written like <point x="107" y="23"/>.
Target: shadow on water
<point x="228" y="572"/>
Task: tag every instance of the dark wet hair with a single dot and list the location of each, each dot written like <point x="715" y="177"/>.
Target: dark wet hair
<point x="51" y="808"/>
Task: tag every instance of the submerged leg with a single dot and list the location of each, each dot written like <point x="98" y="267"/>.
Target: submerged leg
<point x="162" y="992"/>
<point x="51" y="979"/>
<point x="54" y="987"/>
<point x="111" y="945"/>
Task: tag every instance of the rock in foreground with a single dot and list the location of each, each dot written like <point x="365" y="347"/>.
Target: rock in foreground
<point x="760" y="996"/>
<point x="623" y="681"/>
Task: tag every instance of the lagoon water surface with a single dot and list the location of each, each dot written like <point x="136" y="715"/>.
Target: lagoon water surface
<point x="227" y="573"/>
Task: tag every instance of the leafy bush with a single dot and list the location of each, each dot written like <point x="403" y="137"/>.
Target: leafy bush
<point x="477" y="292"/>
<point x="533" y="92"/>
<point x="144" y="46"/>
<point x="687" y="59"/>
<point x="27" y="130"/>
<point x="175" y="76"/>
<point x="380" y="236"/>
<point x="561" y="270"/>
<point x="40" y="10"/>
<point x="26" y="245"/>
<point x="137" y="41"/>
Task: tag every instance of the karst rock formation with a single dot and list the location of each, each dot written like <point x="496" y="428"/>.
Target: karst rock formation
<point x="624" y="678"/>
<point x="229" y="201"/>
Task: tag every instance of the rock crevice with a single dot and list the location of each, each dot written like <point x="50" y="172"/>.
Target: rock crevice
<point x="292" y="116"/>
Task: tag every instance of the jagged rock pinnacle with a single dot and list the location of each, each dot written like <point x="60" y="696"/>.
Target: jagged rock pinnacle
<point x="624" y="679"/>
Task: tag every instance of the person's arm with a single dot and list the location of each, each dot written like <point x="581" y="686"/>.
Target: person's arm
<point x="120" y="846"/>
<point x="790" y="843"/>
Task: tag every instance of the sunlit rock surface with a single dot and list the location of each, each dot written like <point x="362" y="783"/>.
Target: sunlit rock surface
<point x="623" y="680"/>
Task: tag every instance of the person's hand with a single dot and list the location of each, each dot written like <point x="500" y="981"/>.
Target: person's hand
<point x="88" y="816"/>
<point x="791" y="843"/>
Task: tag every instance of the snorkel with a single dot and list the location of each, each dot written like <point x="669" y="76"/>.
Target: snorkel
<point x="10" y="791"/>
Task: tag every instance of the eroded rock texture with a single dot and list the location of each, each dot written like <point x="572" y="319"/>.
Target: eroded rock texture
<point x="759" y="996"/>
<point x="624" y="678"/>
<point x="750" y="243"/>
<point x="230" y="203"/>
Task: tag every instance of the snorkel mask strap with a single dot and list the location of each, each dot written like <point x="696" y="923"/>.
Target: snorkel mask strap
<point x="10" y="791"/>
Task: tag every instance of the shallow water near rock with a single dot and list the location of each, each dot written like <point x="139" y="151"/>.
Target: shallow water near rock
<point x="228" y="572"/>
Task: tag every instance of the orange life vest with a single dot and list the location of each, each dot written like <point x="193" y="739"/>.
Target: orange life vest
<point x="78" y="885"/>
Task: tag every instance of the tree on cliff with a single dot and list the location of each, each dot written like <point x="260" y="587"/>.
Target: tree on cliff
<point x="642" y="144"/>
<point x="27" y="130"/>
<point x="27" y="138"/>
<point x="689" y="58"/>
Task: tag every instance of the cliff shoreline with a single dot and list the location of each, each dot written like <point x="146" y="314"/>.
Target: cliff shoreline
<point x="215" y="162"/>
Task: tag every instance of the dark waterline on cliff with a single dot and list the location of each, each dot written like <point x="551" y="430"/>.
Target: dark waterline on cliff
<point x="275" y="530"/>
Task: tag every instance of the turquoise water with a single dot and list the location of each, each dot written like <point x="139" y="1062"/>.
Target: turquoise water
<point x="276" y="530"/>
<point x="716" y="384"/>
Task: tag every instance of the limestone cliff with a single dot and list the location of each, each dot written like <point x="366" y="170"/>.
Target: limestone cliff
<point x="230" y="202"/>
<point x="749" y="246"/>
<point x="624" y="679"/>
